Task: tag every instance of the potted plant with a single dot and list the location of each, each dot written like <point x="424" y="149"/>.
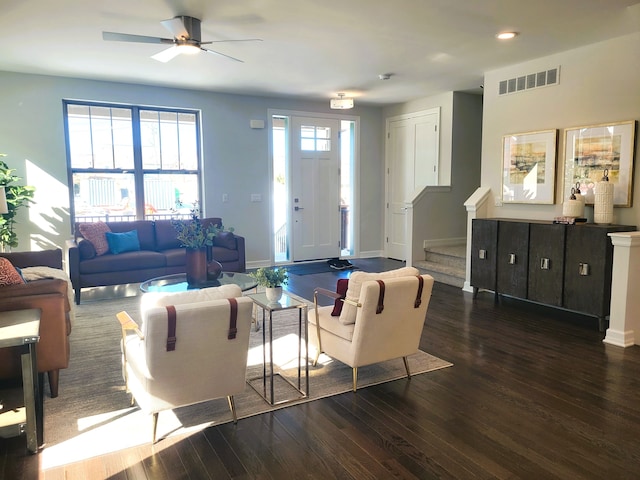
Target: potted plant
<point x="17" y="196"/>
<point x="272" y="278"/>
<point x="193" y="235"/>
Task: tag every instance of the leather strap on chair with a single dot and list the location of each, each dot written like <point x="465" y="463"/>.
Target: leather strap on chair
<point x="419" y="296"/>
<point x="380" y="307"/>
<point x="171" y="328"/>
<point x="233" y="318"/>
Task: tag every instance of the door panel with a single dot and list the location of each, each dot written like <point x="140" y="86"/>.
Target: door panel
<point x="484" y="252"/>
<point x="546" y="263"/>
<point x="315" y="188"/>
<point x="513" y="258"/>
<point x="426" y="152"/>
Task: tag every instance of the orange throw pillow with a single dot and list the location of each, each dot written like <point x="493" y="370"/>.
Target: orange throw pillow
<point x="8" y="273"/>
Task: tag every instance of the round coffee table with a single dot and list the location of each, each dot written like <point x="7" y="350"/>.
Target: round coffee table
<point x="178" y="282"/>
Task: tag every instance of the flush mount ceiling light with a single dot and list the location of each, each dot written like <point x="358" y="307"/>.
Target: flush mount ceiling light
<point x="341" y="102"/>
<point x="506" y="35"/>
<point x="188" y="48"/>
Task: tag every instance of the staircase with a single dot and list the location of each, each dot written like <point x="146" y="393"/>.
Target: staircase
<point x="446" y="264"/>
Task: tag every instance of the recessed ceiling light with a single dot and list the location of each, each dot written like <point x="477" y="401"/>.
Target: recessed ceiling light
<point x="506" y="35"/>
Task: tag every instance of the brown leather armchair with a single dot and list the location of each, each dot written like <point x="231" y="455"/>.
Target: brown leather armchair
<point x="50" y="295"/>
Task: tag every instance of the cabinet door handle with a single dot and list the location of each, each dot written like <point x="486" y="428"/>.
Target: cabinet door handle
<point x="512" y="259"/>
<point x="584" y="269"/>
<point x="482" y="254"/>
<point x="545" y="264"/>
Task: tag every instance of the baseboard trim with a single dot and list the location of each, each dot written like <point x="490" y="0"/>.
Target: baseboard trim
<point x="371" y="254"/>
<point x="620" y="339"/>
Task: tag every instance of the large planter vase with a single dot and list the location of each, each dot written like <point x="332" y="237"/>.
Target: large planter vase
<point x="196" y="265"/>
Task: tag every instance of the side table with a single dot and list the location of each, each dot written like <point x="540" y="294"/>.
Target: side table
<point x="21" y="328"/>
<point x="286" y="303"/>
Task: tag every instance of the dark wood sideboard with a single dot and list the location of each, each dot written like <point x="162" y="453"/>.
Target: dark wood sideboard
<point x="564" y="266"/>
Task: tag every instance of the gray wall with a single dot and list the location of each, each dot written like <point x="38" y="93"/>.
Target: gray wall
<point x="599" y="83"/>
<point x="236" y="158"/>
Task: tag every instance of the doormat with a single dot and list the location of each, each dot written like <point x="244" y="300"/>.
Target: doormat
<point x="311" y="268"/>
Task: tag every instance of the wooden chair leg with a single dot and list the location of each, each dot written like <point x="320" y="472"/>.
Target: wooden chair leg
<point x="232" y="406"/>
<point x="54" y="379"/>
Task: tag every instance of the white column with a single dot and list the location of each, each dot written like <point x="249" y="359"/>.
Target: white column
<point x="624" y="321"/>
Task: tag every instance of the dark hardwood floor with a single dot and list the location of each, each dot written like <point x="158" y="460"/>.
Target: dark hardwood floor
<point x="533" y="394"/>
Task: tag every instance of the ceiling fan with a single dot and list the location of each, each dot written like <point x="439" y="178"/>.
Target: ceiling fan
<point x="186" y="39"/>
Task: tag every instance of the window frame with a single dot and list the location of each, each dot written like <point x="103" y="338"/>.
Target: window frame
<point x="138" y="171"/>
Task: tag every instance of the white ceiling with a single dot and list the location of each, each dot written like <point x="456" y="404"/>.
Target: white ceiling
<point x="311" y="49"/>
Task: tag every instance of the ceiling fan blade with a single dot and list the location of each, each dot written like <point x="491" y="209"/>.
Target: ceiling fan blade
<point x="125" y="37"/>
<point x="239" y="40"/>
<point x="165" y="55"/>
<point x="222" y="55"/>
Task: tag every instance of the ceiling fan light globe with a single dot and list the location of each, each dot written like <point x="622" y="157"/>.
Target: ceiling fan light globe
<point x="188" y="49"/>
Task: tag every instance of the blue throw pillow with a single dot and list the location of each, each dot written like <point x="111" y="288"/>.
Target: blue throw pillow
<point x="123" y="242"/>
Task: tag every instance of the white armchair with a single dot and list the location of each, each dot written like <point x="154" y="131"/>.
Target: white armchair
<point x="204" y="357"/>
<point x="389" y="317"/>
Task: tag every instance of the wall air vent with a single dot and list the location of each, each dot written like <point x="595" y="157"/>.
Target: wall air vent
<point x="529" y="81"/>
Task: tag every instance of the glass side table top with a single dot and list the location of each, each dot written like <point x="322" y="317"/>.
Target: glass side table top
<point x="178" y="282"/>
<point x="286" y="302"/>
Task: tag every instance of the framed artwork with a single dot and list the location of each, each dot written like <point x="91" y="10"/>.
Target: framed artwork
<point x="589" y="150"/>
<point x="529" y="167"/>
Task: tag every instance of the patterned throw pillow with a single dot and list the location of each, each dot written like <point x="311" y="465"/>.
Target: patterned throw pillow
<point x="95" y="233"/>
<point x="8" y="273"/>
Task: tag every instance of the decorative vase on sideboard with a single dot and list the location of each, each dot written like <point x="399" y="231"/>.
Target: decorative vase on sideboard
<point x="196" y="265"/>
<point x="603" y="203"/>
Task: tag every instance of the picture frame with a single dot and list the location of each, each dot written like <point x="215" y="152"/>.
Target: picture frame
<point x="589" y="150"/>
<point x="529" y="167"/>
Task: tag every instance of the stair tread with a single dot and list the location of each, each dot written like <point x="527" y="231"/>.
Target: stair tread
<point x="450" y="250"/>
<point x="442" y="268"/>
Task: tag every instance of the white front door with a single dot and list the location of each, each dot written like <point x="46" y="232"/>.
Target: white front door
<point x="315" y="187"/>
<point x="412" y="164"/>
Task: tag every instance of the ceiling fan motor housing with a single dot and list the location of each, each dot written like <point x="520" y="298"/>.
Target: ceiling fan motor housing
<point x="191" y="26"/>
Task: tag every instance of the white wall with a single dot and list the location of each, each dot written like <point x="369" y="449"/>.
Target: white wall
<point x="599" y="83"/>
<point x="236" y="158"/>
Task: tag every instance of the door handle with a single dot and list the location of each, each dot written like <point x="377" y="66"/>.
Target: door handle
<point x="298" y="208"/>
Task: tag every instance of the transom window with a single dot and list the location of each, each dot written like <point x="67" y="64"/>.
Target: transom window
<point x="315" y="139"/>
<point x="129" y="162"/>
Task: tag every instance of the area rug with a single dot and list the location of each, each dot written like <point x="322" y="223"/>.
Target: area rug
<point x="93" y="414"/>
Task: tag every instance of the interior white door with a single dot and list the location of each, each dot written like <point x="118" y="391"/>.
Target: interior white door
<point x="315" y="187"/>
<point x="397" y="179"/>
<point x="412" y="164"/>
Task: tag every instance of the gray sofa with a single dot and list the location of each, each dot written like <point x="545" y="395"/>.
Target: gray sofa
<point x="160" y="254"/>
